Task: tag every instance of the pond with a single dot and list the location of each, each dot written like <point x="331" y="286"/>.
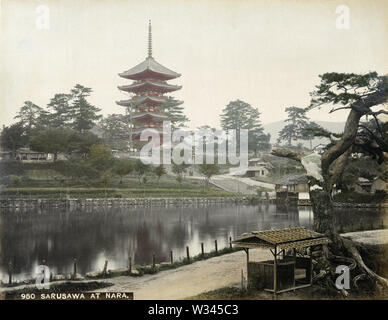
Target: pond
<point x="94" y="235"/>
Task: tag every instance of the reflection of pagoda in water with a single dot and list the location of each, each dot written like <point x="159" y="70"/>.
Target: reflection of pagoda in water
<point x="148" y="104"/>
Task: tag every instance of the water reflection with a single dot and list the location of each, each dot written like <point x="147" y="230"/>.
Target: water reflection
<point x="94" y="235"/>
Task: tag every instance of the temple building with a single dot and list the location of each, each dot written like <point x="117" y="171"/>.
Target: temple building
<point x="148" y="104"/>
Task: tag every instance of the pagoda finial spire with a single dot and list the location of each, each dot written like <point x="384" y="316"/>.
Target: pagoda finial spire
<point x="149" y="40"/>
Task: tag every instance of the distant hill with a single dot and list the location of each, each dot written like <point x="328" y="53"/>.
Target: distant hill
<point x="274" y="128"/>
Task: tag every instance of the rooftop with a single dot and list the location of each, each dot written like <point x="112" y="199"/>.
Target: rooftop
<point x="292" y="179"/>
<point x="149" y="68"/>
<point x="287" y="238"/>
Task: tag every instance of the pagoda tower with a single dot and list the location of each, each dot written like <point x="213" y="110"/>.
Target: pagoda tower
<point x="147" y="106"/>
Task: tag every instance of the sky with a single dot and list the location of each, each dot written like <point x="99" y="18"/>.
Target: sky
<point x="267" y="53"/>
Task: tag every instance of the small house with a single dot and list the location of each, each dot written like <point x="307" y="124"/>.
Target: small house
<point x="28" y="155"/>
<point x="257" y="168"/>
<point x="292" y="188"/>
<point x="379" y="184"/>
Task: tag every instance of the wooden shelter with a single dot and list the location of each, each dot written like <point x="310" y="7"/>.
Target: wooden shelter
<point x="286" y="271"/>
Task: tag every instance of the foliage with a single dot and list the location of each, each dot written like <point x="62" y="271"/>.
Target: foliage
<point x="55" y="140"/>
<point x="297" y="126"/>
<point x="83" y="142"/>
<point x="14" y="137"/>
<point x="115" y="132"/>
<point x="208" y="170"/>
<point x="83" y="114"/>
<point x="122" y="168"/>
<point x="141" y="169"/>
<point x="175" y="113"/>
<point x="179" y="170"/>
<point x="60" y="111"/>
<point x="346" y="88"/>
<point x="240" y="115"/>
<point x="160" y="171"/>
<point x="29" y="115"/>
<point x="101" y="158"/>
<point x="77" y="169"/>
<point x="51" y="141"/>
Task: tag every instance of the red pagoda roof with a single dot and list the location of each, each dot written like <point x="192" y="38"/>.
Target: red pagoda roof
<point x="149" y="68"/>
<point x="149" y="114"/>
<point x="138" y="86"/>
<point x="147" y="99"/>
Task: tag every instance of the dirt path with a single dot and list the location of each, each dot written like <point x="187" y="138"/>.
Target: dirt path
<point x="207" y="275"/>
<point x="189" y="280"/>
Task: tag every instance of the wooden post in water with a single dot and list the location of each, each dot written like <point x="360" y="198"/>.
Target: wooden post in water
<point x="130" y="264"/>
<point x="10" y="271"/>
<point x="171" y="257"/>
<point x="153" y="261"/>
<point x="104" y="271"/>
<point x="202" y="250"/>
<point x="230" y="242"/>
<point x="75" y="269"/>
<point x="215" y="245"/>
<point x="188" y="253"/>
<point x="242" y="279"/>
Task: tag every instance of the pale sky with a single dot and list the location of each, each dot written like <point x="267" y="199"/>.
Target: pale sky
<point x="267" y="53"/>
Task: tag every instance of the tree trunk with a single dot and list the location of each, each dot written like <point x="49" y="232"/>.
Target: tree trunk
<point x="324" y="216"/>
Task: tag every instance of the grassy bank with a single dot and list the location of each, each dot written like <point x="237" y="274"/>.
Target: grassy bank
<point x="46" y="181"/>
<point x="149" y="269"/>
<point x="90" y="192"/>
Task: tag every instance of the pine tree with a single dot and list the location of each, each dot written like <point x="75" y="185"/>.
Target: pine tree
<point x="175" y="114"/>
<point x="297" y="121"/>
<point x="60" y="115"/>
<point x="240" y="115"/>
<point x="29" y="115"/>
<point x="83" y="114"/>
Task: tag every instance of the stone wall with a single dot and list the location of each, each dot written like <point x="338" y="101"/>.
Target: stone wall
<point x="113" y="202"/>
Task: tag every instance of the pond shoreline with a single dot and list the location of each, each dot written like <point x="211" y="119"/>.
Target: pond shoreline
<point x="152" y="201"/>
<point x="116" y="202"/>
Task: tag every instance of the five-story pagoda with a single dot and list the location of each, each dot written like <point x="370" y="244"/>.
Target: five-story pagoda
<point x="148" y="105"/>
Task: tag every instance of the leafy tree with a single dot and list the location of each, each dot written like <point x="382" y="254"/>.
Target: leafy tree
<point x="83" y="114"/>
<point x="141" y="169"/>
<point x="82" y="143"/>
<point x="240" y="115"/>
<point x="208" y="170"/>
<point x="259" y="141"/>
<point x="101" y="158"/>
<point x="51" y="141"/>
<point x="14" y="137"/>
<point x="359" y="94"/>
<point x="115" y="131"/>
<point x="180" y="169"/>
<point x="159" y="171"/>
<point x="122" y="168"/>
